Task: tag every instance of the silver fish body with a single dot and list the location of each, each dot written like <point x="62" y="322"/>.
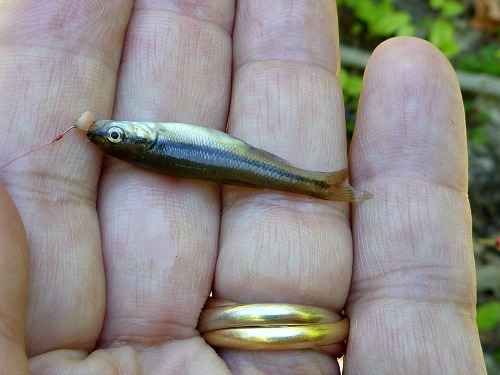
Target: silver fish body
<point x="201" y="153"/>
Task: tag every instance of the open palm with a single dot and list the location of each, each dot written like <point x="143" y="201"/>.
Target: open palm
<point x="122" y="260"/>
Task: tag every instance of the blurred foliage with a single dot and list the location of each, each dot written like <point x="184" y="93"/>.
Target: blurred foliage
<point x="351" y="87"/>
<point x="441" y="31"/>
<point x="442" y="35"/>
<point x="485" y="60"/>
<point x="488" y="316"/>
<point x="380" y="18"/>
<point x="448" y="8"/>
<point x="372" y="21"/>
<point x="476" y="119"/>
<point x="478" y="135"/>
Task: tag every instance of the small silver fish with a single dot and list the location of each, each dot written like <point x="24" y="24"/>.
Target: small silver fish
<point x="206" y="154"/>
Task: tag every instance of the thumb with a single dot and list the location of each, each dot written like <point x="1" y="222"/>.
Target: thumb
<point x="14" y="278"/>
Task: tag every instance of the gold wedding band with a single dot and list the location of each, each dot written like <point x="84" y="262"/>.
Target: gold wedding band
<point x="272" y="326"/>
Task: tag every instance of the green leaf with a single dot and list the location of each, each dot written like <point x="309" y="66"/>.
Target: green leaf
<point x="406" y="30"/>
<point x="389" y="23"/>
<point x="351" y="84"/>
<point x="442" y="35"/>
<point x="478" y="135"/>
<point x="356" y="28"/>
<point x="380" y="17"/>
<point x="343" y="77"/>
<point x="354" y="87"/>
<point x="485" y="60"/>
<point x="367" y="11"/>
<point x="496" y="356"/>
<point x="448" y="8"/>
<point x="436" y="4"/>
<point x="453" y="9"/>
<point x="488" y="316"/>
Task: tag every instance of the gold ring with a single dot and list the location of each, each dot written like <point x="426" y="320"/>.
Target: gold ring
<point x="272" y="326"/>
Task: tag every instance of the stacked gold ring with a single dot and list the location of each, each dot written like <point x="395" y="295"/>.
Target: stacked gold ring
<point x="272" y="326"/>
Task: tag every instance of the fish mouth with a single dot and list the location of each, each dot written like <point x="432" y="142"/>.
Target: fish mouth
<point x="96" y="137"/>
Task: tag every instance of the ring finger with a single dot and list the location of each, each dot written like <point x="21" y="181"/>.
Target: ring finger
<point x="277" y="247"/>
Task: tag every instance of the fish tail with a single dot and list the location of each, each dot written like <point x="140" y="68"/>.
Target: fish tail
<point x="340" y="190"/>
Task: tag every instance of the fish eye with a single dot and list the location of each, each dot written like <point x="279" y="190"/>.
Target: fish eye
<point x="115" y="135"/>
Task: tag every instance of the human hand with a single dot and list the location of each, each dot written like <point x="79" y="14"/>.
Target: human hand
<point x="120" y="288"/>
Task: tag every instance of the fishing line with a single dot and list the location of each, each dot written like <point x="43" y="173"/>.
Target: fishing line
<point x="83" y="122"/>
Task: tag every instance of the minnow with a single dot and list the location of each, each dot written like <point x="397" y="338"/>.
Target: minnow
<point x="196" y="152"/>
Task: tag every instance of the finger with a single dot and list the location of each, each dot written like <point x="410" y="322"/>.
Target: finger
<point x="278" y="247"/>
<point x="58" y="59"/>
<point x="160" y="233"/>
<point x="13" y="288"/>
<point x="412" y="300"/>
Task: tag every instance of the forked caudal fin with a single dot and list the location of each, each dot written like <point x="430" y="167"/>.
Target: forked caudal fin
<point x="340" y="190"/>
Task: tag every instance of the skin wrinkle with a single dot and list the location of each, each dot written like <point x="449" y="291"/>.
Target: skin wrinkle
<point x="50" y="186"/>
<point x="397" y="221"/>
<point x="443" y="365"/>
<point x="200" y="11"/>
<point x="395" y="337"/>
<point x="292" y="72"/>
<point x="264" y="200"/>
<point x="467" y="290"/>
<point x="435" y="92"/>
<point x="411" y="228"/>
<point x="414" y="339"/>
<point x="297" y="68"/>
<point x="187" y="18"/>
<point x="259" y="209"/>
<point x="310" y="260"/>
<point x="148" y="338"/>
<point x="381" y="335"/>
<point x="40" y="33"/>
<point x="420" y="289"/>
<point x="278" y="242"/>
<point x="66" y="66"/>
<point x="293" y="361"/>
<point x="177" y="70"/>
<point x="172" y="306"/>
<point x="306" y="47"/>
<point x="39" y="185"/>
<point x="269" y="268"/>
<point x="439" y="187"/>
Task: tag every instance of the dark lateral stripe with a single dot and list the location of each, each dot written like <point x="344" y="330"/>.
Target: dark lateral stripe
<point x="194" y="153"/>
